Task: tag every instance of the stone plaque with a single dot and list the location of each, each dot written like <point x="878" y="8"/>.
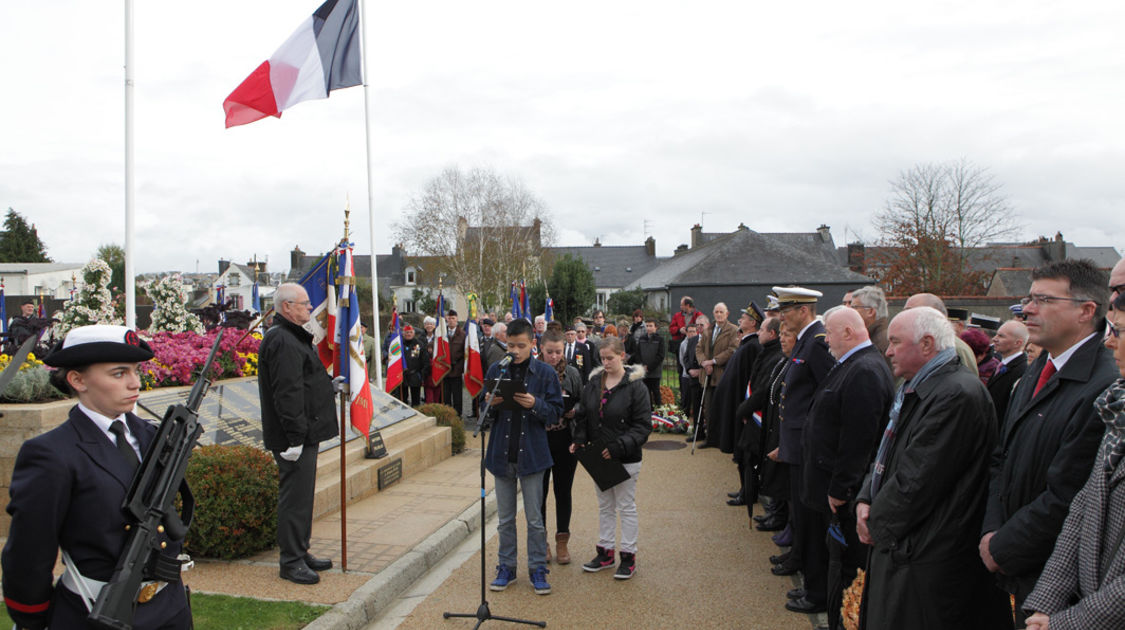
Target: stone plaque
<point x="375" y="446"/>
<point x="389" y="474"/>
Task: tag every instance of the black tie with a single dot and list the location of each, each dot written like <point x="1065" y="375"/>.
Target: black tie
<point x="123" y="446"/>
<point x="570" y="352"/>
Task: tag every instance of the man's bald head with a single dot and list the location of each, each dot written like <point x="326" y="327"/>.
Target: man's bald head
<point x="926" y="299"/>
<point x="844" y="330"/>
<point x="1117" y="278"/>
<point x="1011" y="338"/>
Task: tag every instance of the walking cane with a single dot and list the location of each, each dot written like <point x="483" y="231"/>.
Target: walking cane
<point x="699" y="416"/>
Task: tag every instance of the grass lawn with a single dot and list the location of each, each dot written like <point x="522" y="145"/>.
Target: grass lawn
<point x="223" y="612"/>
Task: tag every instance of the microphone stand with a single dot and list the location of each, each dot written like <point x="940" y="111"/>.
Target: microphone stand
<point x="484" y="613"/>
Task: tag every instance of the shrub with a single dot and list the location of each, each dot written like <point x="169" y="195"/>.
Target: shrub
<point x="446" y="417"/>
<point x="235" y="490"/>
<point x="31" y="384"/>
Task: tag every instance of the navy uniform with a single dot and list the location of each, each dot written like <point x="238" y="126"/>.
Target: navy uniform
<point x="67" y="489"/>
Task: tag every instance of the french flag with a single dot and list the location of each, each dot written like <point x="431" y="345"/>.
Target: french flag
<point x="322" y="55"/>
<point x="441" y="362"/>
<point x="474" y="373"/>
<point x="320" y="283"/>
<point x="350" y="362"/>
<point x="395" y="360"/>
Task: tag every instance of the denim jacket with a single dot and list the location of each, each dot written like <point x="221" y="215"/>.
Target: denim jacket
<point x="543" y="383"/>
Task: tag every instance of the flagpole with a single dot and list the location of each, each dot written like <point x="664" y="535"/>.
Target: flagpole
<point x="130" y="196"/>
<point x="370" y="195"/>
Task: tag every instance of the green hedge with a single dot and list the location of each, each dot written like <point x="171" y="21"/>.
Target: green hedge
<point x="446" y="417"/>
<point x="235" y="490"/>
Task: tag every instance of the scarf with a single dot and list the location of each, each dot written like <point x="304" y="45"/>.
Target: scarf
<point x="931" y="366"/>
<point x="1111" y="407"/>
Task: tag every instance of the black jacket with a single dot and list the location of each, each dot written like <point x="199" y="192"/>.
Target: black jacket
<point x="650" y="354"/>
<point x="417" y="361"/>
<point x="624" y="422"/>
<point x="808" y="367"/>
<point x="585" y="358"/>
<point x="66" y="490"/>
<point x="843" y="429"/>
<point x="731" y="391"/>
<point x="1047" y="446"/>
<point x="924" y="570"/>
<point x="1001" y="384"/>
<point x="298" y="405"/>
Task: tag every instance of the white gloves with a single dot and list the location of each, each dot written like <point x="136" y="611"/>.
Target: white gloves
<point x="293" y="453"/>
<point x="338" y="384"/>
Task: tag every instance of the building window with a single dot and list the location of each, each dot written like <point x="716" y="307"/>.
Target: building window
<point x="410" y="278"/>
<point x="408" y="306"/>
<point x="232" y="280"/>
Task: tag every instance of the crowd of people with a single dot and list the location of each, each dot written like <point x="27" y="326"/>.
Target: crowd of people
<point x="967" y="465"/>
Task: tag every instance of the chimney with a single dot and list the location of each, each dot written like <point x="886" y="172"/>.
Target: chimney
<point x="857" y="257"/>
<point x="295" y="257"/>
<point x="223" y="265"/>
<point x="681" y="248"/>
<point x="398" y="250"/>
<point x="696" y="235"/>
<point x="597" y="242"/>
<point x="825" y="233"/>
<point x="650" y="246"/>
<point x="742" y="226"/>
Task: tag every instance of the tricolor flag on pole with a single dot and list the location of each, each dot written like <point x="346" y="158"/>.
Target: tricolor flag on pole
<point x="516" y="314"/>
<point x="322" y="55"/>
<point x="255" y="299"/>
<point x="549" y="311"/>
<point x="350" y="362"/>
<point x="525" y="308"/>
<point x="474" y="373"/>
<point x="396" y="362"/>
<point x="441" y="362"/>
<point x="320" y="283"/>
<point x="3" y="310"/>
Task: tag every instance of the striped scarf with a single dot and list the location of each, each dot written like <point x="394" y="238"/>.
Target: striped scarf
<point x="1111" y="407"/>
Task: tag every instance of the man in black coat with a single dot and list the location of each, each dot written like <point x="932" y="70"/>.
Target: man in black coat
<point x="1008" y="343"/>
<point x="809" y="364"/>
<point x="1051" y="432"/>
<point x="417" y="365"/>
<point x="650" y="355"/>
<point x="298" y="413"/>
<point x="690" y="389"/>
<point x="840" y="437"/>
<point x="925" y="494"/>
<point x="580" y="354"/>
<point x="751" y="414"/>
<point x="452" y="389"/>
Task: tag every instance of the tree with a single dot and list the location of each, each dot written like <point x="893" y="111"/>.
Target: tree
<point x="935" y="216"/>
<point x="625" y="302"/>
<point x="571" y="287"/>
<point x="20" y="242"/>
<point x="486" y="231"/>
<point x="114" y="256"/>
<point x="424" y="302"/>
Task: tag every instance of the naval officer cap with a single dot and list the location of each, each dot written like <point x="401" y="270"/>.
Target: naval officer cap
<point x="98" y="344"/>
<point x="796" y="296"/>
<point x="755" y="312"/>
<point x="958" y="314"/>
<point x="771" y="303"/>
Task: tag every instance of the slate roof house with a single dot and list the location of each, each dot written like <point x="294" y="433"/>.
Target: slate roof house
<point x="614" y="266"/>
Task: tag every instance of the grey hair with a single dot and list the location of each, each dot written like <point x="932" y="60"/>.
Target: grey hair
<point x="540" y="318"/>
<point x="429" y="320"/>
<point x="579" y="326"/>
<point x="930" y="321"/>
<point x="499" y="327"/>
<point x="287" y="292"/>
<point x="832" y="310"/>
<point x="873" y="297"/>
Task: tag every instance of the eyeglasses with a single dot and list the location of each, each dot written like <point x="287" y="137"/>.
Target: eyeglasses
<point x="1041" y="299"/>
<point x="302" y="302"/>
<point x="1117" y="288"/>
<point x="1114" y="331"/>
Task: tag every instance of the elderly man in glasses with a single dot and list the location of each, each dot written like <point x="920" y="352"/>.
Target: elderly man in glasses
<point x="1050" y="433"/>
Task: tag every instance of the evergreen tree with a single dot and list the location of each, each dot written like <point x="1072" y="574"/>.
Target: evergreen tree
<point x="572" y="288"/>
<point x="19" y="242"/>
<point x="114" y="256"/>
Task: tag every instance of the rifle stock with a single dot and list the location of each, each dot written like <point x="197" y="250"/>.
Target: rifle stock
<point x="150" y="504"/>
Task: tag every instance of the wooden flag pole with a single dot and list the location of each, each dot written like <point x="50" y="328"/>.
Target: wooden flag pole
<point x="344" y="479"/>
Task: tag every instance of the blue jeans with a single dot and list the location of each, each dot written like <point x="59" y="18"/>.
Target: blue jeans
<point x="532" y="486"/>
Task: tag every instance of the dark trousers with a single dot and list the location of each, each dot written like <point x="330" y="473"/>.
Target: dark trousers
<point x="563" y="472"/>
<point x="708" y="427"/>
<point x="296" y="488"/>
<point x="690" y="392"/>
<point x="796" y="512"/>
<point x="451" y="392"/>
<point x="411" y="395"/>
<point x="843" y="562"/>
<point x="814" y="552"/>
<point x="653" y="385"/>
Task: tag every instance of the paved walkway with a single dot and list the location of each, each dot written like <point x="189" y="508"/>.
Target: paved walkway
<point x="699" y="564"/>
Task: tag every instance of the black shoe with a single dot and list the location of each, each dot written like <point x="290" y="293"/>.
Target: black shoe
<point x="318" y="564"/>
<point x="761" y="518"/>
<point x="734" y="495"/>
<point x="704" y="445"/>
<point x="772" y="524"/>
<point x="783" y="569"/>
<point x="804" y="606"/>
<point x="300" y="575"/>
<point x="795" y="593"/>
<point x="736" y="502"/>
<point x="780" y="558"/>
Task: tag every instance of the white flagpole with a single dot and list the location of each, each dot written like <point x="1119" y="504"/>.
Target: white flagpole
<point x="378" y="362"/>
<point x="130" y="193"/>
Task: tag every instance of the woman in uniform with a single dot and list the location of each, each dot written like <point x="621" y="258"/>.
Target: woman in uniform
<point x="69" y="484"/>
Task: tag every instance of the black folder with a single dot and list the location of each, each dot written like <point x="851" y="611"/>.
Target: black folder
<point x="606" y="473"/>
<point x="508" y="389"/>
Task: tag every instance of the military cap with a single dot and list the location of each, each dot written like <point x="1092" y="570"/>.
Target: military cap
<point x="755" y="312"/>
<point x="487" y="322"/>
<point x="98" y="344"/>
<point x="771" y="303"/>
<point x="984" y="321"/>
<point x="795" y="296"/>
<point x="957" y="314"/>
<point x="1017" y="309"/>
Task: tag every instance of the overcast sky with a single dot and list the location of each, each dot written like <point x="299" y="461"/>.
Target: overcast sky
<point x="625" y="118"/>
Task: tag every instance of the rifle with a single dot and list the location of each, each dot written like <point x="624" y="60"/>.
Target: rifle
<point x="149" y="505"/>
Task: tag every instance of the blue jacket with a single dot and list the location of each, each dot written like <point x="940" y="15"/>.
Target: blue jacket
<point x="543" y="383"/>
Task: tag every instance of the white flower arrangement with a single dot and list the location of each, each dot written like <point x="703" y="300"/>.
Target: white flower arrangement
<point x="169" y="312"/>
<point x="93" y="303"/>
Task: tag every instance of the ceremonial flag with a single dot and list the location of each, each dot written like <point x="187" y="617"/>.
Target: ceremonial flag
<point x="525" y="308"/>
<point x="441" y="362"/>
<point x="549" y="311"/>
<point x="42" y="308"/>
<point x="350" y="362"/>
<point x="516" y="314"/>
<point x="320" y="283"/>
<point x="3" y="310"/>
<point x="255" y="300"/>
<point x="320" y="56"/>
<point x="474" y="373"/>
<point x="396" y="362"/>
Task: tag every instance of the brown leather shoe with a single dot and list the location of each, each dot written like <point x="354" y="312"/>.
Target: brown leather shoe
<point x="548" y="553"/>
<point x="562" y="554"/>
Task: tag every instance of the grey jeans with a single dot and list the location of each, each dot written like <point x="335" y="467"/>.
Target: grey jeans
<point x="532" y="486"/>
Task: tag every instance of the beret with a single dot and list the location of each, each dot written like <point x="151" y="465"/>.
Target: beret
<point x="98" y="344"/>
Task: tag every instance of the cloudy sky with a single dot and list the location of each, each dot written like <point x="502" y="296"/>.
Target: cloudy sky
<point x="625" y="118"/>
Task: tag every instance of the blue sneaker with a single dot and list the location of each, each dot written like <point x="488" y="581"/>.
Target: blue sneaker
<point x="539" y="581"/>
<point x="504" y="577"/>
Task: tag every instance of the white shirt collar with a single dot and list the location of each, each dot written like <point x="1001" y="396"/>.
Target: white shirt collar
<point x="1061" y="360"/>
<point x="802" y="333"/>
<point x="1011" y="358"/>
<point x="103" y="423"/>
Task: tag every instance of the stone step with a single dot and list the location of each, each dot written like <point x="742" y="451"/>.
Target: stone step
<point x="418" y="442"/>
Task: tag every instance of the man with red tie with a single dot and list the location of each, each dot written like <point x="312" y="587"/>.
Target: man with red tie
<point x="1050" y="433"/>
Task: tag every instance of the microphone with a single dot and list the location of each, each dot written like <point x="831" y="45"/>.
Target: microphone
<point x="508" y="358"/>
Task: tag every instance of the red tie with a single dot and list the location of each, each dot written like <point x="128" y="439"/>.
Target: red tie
<point x="1044" y="376"/>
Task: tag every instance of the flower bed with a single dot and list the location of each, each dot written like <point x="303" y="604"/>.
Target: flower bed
<point x="179" y="355"/>
<point x="669" y="419"/>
